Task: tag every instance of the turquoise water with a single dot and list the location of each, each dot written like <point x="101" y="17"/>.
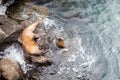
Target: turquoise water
<point x="105" y="28"/>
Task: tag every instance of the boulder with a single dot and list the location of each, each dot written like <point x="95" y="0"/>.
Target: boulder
<point x="9" y="30"/>
<point x="10" y="69"/>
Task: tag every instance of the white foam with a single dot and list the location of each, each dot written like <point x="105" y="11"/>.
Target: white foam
<point x="3" y="7"/>
<point x="15" y="52"/>
<point x="2" y="10"/>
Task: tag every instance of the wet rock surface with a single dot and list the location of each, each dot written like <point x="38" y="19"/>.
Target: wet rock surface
<point x="41" y="60"/>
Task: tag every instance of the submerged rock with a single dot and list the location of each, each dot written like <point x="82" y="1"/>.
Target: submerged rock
<point x="41" y="60"/>
<point x="27" y="11"/>
<point x="10" y="69"/>
<point x="33" y="75"/>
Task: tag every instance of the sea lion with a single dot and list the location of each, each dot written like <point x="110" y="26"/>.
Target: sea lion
<point x="60" y="42"/>
<point x="28" y="42"/>
<point x="30" y="46"/>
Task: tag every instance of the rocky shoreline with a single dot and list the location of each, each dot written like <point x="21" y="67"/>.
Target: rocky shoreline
<point x="10" y="29"/>
<point x="11" y="26"/>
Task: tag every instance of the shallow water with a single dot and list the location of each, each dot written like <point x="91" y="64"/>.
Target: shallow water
<point x="92" y="37"/>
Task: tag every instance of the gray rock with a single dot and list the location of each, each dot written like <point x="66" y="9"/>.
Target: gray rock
<point x="9" y="30"/>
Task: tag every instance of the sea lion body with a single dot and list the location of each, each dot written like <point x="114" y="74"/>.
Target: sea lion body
<point x="28" y="42"/>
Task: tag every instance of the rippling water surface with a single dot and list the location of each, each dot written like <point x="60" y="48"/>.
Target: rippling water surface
<point x="94" y="45"/>
<point x="91" y="29"/>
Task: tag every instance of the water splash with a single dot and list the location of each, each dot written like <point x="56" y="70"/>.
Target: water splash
<point x="3" y="7"/>
<point x="16" y="53"/>
<point x="2" y="10"/>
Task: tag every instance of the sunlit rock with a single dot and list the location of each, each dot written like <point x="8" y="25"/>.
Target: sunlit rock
<point x="10" y="69"/>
